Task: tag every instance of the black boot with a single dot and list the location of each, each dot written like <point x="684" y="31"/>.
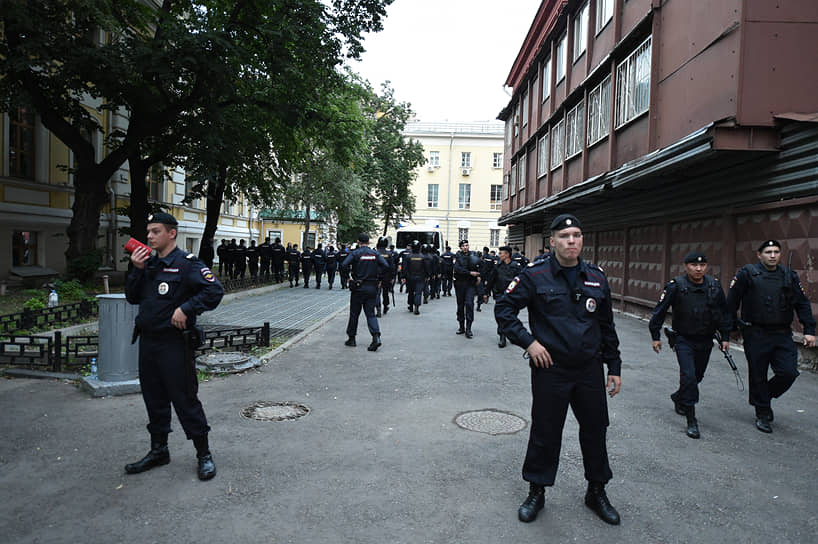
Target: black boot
<point x="478" y="308"/>
<point x="533" y="503"/>
<point x="376" y="343"/>
<point x="417" y="309"/>
<point x="468" y="329"/>
<point x="206" y="468"/>
<point x="677" y="406"/>
<point x="597" y="500"/>
<point x="378" y="311"/>
<point x="502" y="342"/>
<point x="385" y="309"/>
<point x="158" y="456"/>
<point x="425" y="299"/>
<point x="350" y="342"/>
<point x="411" y="307"/>
<point x="692" y="424"/>
<point x="764" y="416"/>
<point x="461" y="329"/>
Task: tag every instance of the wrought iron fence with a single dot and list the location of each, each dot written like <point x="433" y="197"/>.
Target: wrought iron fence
<point x="48" y="317"/>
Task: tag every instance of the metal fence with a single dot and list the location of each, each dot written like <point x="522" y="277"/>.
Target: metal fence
<point x="48" y="317"/>
<point x="65" y="353"/>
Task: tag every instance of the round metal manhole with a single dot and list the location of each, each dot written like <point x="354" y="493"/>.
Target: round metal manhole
<point x="265" y="410"/>
<point x="490" y="421"/>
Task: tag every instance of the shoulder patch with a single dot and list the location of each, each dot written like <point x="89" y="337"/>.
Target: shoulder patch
<point x="207" y="274"/>
<point x="513" y="284"/>
<point x="531" y="264"/>
<point x="190" y="256"/>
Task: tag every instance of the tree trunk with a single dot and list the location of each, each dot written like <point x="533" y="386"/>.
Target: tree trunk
<point x="306" y="224"/>
<point x="215" y="197"/>
<point x="90" y="195"/>
<point x="139" y="207"/>
<point x="385" y="225"/>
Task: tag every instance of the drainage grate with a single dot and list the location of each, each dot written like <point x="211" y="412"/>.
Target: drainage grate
<point x="265" y="410"/>
<point x="490" y="421"/>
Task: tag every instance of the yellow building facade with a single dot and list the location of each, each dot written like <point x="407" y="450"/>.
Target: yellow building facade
<point x="459" y="188"/>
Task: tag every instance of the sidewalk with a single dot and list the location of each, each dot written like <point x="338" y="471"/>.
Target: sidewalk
<point x="379" y="458"/>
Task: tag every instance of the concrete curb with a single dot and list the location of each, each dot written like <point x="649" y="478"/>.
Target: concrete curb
<point x="38" y="374"/>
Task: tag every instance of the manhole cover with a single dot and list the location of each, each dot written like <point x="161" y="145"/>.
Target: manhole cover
<point x="265" y="410"/>
<point x="490" y="421"/>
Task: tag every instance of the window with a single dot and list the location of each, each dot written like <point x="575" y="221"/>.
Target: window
<point x="516" y="119"/>
<point x="562" y="57"/>
<point x="513" y="181"/>
<point x="307" y="240"/>
<point x="506" y="179"/>
<point x="496" y="202"/>
<point x="509" y="122"/>
<point x="464" y="196"/>
<point x="190" y="245"/>
<point x="21" y="143"/>
<point x="557" y="135"/>
<point x="494" y="237"/>
<point x="542" y="156"/>
<point x="23" y="248"/>
<point x="580" y="31"/>
<point x="575" y="130"/>
<point x="434" y="159"/>
<point x="521" y="170"/>
<point x="497" y="160"/>
<point x="228" y="207"/>
<point x="546" y="79"/>
<point x="525" y="108"/>
<point x="604" y="13"/>
<point x="154" y="182"/>
<point x="633" y="85"/>
<point x="465" y="159"/>
<point x="462" y="234"/>
<point x="431" y="192"/>
<point x="599" y="111"/>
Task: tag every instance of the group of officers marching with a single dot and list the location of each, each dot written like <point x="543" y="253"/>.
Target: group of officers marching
<point x="570" y="340"/>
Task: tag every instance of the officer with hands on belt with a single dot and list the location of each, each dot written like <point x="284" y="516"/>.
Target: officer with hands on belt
<point x="466" y="277"/>
<point x="171" y="289"/>
<point x="572" y="335"/>
<point x="498" y="279"/>
<point x="293" y="264"/>
<point x="768" y="294"/>
<point x="699" y="310"/>
<point x="365" y="266"/>
<point x="447" y="270"/>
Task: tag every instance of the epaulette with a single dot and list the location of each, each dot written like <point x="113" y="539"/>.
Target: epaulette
<point x="592" y="265"/>
<point x="190" y="256"/>
<point x="536" y="262"/>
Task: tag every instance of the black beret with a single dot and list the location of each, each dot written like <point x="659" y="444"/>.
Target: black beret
<point x="769" y="243"/>
<point x="565" y="221"/>
<point x="164" y="218"/>
<point x="363" y="238"/>
<point x="695" y="257"/>
<point x="463" y="242"/>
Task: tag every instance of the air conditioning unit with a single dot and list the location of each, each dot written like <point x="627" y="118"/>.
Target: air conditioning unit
<point x="431" y="168"/>
<point x="466" y="171"/>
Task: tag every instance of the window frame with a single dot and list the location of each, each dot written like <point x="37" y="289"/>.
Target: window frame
<point x="464" y="204"/>
<point x="526" y="108"/>
<point x="543" y="152"/>
<point x="434" y="158"/>
<point x="513" y="180"/>
<point x="558" y="140"/>
<point x="599" y="112"/>
<point x="462" y="233"/>
<point x="602" y="12"/>
<point x="494" y="237"/>
<point x="575" y="130"/>
<point x="495" y="197"/>
<point x="631" y="74"/>
<point x="562" y="58"/>
<point x="497" y="160"/>
<point x="522" y="167"/>
<point x="436" y="199"/>
<point x="546" y="79"/>
<point x="581" y="24"/>
<point x="22" y="133"/>
<point x="465" y="159"/>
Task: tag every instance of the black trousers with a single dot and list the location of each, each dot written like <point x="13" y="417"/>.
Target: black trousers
<point x="382" y="298"/>
<point x="305" y="271"/>
<point x="365" y="298"/>
<point x="553" y="390"/>
<point x="331" y="275"/>
<point x="265" y="269"/>
<point x="769" y="349"/>
<point x="693" y="355"/>
<point x="464" y="290"/>
<point x="278" y="271"/>
<point x="447" y="283"/>
<point x="344" y="278"/>
<point x="293" y="272"/>
<point x="253" y="269"/>
<point x="167" y="379"/>
<point x="414" y="290"/>
<point x="318" y="271"/>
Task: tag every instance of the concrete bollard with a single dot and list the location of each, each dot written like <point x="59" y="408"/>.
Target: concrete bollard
<point x="105" y="284"/>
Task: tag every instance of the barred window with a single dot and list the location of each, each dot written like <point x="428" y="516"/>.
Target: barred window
<point x="599" y="111"/>
<point x="575" y="130"/>
<point x="462" y="234"/>
<point x="633" y="84"/>
<point x="542" y="156"/>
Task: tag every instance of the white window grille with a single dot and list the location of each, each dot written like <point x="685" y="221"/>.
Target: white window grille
<point x="525" y="108"/>
<point x="599" y="111"/>
<point x="496" y="201"/>
<point x="462" y="234"/>
<point x="497" y="160"/>
<point x="557" y="143"/>
<point x="542" y="156"/>
<point x="434" y="159"/>
<point x="465" y="159"/>
<point x="494" y="237"/>
<point x="633" y="84"/>
<point x="575" y="130"/>
<point x="604" y="13"/>
<point x="580" y="31"/>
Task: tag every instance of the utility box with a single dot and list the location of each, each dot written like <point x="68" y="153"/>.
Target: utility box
<point x="118" y="359"/>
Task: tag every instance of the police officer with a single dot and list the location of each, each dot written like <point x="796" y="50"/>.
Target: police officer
<point x="414" y="273"/>
<point x="240" y="260"/>
<point x="426" y="251"/>
<point x="277" y="260"/>
<point x="318" y="264"/>
<point x="572" y="335"/>
<point x="768" y="294"/>
<point x="266" y="254"/>
<point x="171" y="289"/>
<point x="294" y="263"/>
<point x="386" y="277"/>
<point x="498" y="279"/>
<point x="365" y="266"/>
<point x="252" y="259"/>
<point x="332" y="264"/>
<point x="699" y="310"/>
<point x="232" y="258"/>
<point x="402" y="256"/>
<point x="487" y="264"/>
<point x="447" y="271"/>
<point x="222" y="252"/>
<point x="466" y="277"/>
<point x="519" y="257"/>
<point x="342" y="254"/>
<point x="306" y="266"/>
<point x="437" y="270"/>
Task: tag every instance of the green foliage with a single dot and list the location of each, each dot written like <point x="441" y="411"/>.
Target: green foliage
<point x="153" y="207"/>
<point x="70" y="290"/>
<point x="34" y="303"/>
<point x="85" y="266"/>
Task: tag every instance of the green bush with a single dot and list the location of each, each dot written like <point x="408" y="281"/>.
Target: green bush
<point x="69" y="290"/>
<point x="34" y="303"/>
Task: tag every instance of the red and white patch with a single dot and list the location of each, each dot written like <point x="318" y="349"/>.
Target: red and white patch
<point x="733" y="282"/>
<point x="171" y="270"/>
<point x="592" y="284"/>
<point x="590" y="305"/>
<point x="512" y="285"/>
<point x="208" y="275"/>
<point x="662" y="296"/>
<point x="368" y="257"/>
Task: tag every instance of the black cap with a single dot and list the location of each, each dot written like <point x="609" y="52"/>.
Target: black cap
<point x="565" y="221"/>
<point x="164" y="218"/>
<point x="463" y="242"/>
<point x="695" y="257"/>
<point x="769" y="243"/>
<point x="363" y="238"/>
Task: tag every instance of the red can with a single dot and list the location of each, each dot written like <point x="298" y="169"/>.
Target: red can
<point x="133" y="244"/>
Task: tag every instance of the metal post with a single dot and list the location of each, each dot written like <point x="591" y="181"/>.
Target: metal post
<point x="57" y="363"/>
<point x="266" y="334"/>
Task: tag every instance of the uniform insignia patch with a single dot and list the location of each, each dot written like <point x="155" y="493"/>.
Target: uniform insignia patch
<point x="531" y="264"/>
<point x="190" y="256"/>
<point x="172" y="270"/>
<point x="662" y="296"/>
<point x="163" y="288"/>
<point x="512" y="285"/>
<point x="208" y="275"/>
<point x="590" y="305"/>
<point x="592" y="283"/>
<point x="733" y="282"/>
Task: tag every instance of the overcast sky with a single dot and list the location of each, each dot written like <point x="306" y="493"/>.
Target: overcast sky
<point x="448" y="58"/>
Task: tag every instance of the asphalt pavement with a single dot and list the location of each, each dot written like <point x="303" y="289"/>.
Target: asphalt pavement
<point x="380" y="459"/>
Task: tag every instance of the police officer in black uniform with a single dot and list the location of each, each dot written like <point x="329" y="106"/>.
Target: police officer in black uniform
<point x="232" y="258"/>
<point x="365" y="266"/>
<point x="426" y="251"/>
<point x="387" y="277"/>
<point x="222" y="252"/>
<point x="499" y="278"/>
<point x="466" y="277"/>
<point x="414" y="273"/>
<point x="401" y="257"/>
<point x="171" y="289"/>
<point x="447" y="271"/>
<point x="252" y="259"/>
<point x="306" y="266"/>
<point x="342" y="255"/>
<point x="572" y="335"/>
<point x="318" y="264"/>
<point x="768" y="293"/>
<point x="699" y="310"/>
<point x="332" y="264"/>
<point x="294" y="263"/>
<point x="487" y="264"/>
<point x="265" y="255"/>
<point x="277" y="260"/>
<point x="240" y="260"/>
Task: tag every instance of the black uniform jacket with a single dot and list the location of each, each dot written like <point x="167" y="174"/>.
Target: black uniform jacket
<point x="574" y="323"/>
<point x="365" y="264"/>
<point x="178" y="280"/>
